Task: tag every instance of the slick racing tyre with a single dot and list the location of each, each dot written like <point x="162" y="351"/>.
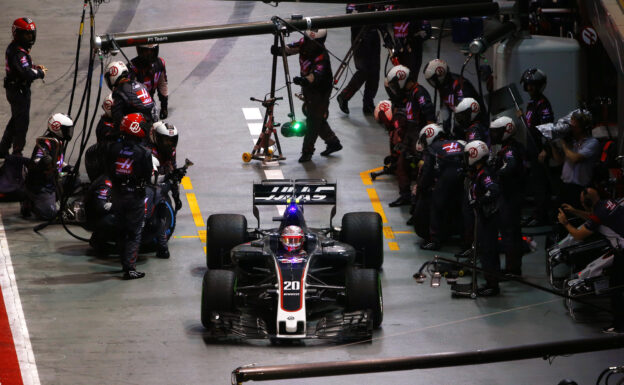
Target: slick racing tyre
<point x="363" y="292"/>
<point x="363" y="231"/>
<point x="217" y="294"/>
<point x="223" y="232"/>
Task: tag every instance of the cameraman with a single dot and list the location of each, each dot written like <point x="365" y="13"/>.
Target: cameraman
<point x="579" y="157"/>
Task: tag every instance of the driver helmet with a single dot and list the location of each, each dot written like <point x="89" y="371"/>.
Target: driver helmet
<point x="61" y="126"/>
<point x="467" y="111"/>
<point x="397" y="79"/>
<point x="114" y="72"/>
<point x="292" y="238"/>
<point x="436" y="72"/>
<point x="502" y="128"/>
<point x="24" y="32"/>
<point x="147" y="52"/>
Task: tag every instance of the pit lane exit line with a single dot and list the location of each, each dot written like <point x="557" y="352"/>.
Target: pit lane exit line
<point x="195" y="212"/>
<point x="377" y="207"/>
<point x="17" y="360"/>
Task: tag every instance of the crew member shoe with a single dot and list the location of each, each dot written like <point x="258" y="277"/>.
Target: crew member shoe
<point x="343" y="103"/>
<point x="430" y="246"/>
<point x="400" y="201"/>
<point x="488" y="291"/>
<point x="305" y="157"/>
<point x="133" y="274"/>
<point x="613" y="330"/>
<point x="331" y="148"/>
<point x="162" y="253"/>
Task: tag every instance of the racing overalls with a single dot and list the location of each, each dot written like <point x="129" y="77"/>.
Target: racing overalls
<point x="453" y="92"/>
<point x="20" y="73"/>
<point x="130" y="97"/>
<point x="154" y="78"/>
<point x="99" y="212"/>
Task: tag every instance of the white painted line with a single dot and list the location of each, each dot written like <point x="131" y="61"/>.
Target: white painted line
<point x="273" y="174"/>
<point x="252" y="113"/>
<point x="17" y="322"/>
<point x="255" y="128"/>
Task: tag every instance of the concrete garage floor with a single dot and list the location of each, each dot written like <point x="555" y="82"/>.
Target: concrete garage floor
<point x="87" y="326"/>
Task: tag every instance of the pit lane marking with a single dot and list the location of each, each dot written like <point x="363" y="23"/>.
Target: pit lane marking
<point x="195" y="212"/>
<point x="377" y="207"/>
<point x="17" y="360"/>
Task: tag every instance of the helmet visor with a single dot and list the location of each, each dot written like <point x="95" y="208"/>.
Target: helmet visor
<point x="292" y="242"/>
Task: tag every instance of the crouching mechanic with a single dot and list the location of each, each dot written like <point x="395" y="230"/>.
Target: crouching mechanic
<point x="316" y="84"/>
<point x="43" y="184"/>
<point x="609" y="213"/>
<point x="99" y="213"/>
<point x="130" y="167"/>
<point x="163" y="142"/>
<point x="483" y="196"/>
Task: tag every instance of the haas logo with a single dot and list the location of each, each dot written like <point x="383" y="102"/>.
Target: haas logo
<point x="401" y="75"/>
<point x="135" y="127"/>
<point x="55" y="125"/>
<point x="108" y="104"/>
<point x="440" y="71"/>
<point x="473" y="152"/>
<point x="114" y="71"/>
<point x="429" y="132"/>
<point x="508" y="128"/>
<point x="474" y="107"/>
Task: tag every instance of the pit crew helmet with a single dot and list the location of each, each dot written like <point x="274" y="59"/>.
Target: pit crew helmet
<point x="165" y="137"/>
<point x="397" y="79"/>
<point x="467" y="111"/>
<point x="534" y="76"/>
<point x="147" y="52"/>
<point x="319" y="35"/>
<point x="114" y="72"/>
<point x="383" y="111"/>
<point x="292" y="238"/>
<point x="134" y="126"/>
<point x="475" y="151"/>
<point x="61" y="126"/>
<point x="429" y="133"/>
<point x="501" y="129"/>
<point x="107" y="106"/>
<point x="436" y="72"/>
<point x="24" y="32"/>
<point x="156" y="177"/>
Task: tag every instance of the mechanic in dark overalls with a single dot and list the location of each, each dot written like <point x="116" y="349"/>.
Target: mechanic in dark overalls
<point x="366" y="59"/>
<point x="468" y="124"/>
<point x="511" y="166"/>
<point x="129" y="96"/>
<point x="406" y="92"/>
<point x="453" y="88"/>
<point x="150" y="69"/>
<point x="316" y="84"/>
<point x="105" y="133"/>
<point x="99" y="213"/>
<point x="442" y="172"/>
<point x="43" y="181"/>
<point x="483" y="194"/>
<point x="20" y="73"/>
<point x="130" y="167"/>
<point x="538" y="111"/>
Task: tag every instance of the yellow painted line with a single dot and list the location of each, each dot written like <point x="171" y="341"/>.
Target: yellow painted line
<point x="186" y="183"/>
<point x="202" y="235"/>
<point x="387" y="231"/>
<point x="365" y="175"/>
<point x="186" y="236"/>
<point x="393" y="246"/>
<point x="372" y="195"/>
<point x="403" y="232"/>
<point x="192" y="201"/>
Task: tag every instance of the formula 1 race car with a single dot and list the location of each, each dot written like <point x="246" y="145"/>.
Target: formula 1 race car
<point x="326" y="286"/>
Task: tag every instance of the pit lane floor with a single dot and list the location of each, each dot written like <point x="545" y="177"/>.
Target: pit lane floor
<point x="87" y="326"/>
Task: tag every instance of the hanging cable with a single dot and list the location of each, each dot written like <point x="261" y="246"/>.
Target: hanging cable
<point x="71" y="98"/>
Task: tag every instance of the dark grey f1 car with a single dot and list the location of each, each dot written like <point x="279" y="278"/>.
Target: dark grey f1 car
<point x="326" y="286"/>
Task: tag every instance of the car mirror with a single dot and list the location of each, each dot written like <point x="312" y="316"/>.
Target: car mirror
<point x="328" y="243"/>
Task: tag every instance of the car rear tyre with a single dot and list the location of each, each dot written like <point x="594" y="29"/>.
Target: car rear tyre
<point x="217" y="294"/>
<point x="223" y="232"/>
<point x="363" y="292"/>
<point x="363" y="231"/>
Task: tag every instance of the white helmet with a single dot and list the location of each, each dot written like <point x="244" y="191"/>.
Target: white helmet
<point x="156" y="177"/>
<point x="107" y="106"/>
<point x="61" y="126"/>
<point x="316" y="34"/>
<point x="429" y="133"/>
<point x="383" y="108"/>
<point x="115" y="71"/>
<point x="397" y="78"/>
<point x="435" y="72"/>
<point x="468" y="104"/>
<point x="502" y="128"/>
<point x="165" y="137"/>
<point x="475" y="151"/>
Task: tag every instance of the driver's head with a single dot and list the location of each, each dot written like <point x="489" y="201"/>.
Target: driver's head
<point x="292" y="238"/>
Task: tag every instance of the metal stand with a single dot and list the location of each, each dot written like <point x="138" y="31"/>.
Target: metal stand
<point x="261" y="150"/>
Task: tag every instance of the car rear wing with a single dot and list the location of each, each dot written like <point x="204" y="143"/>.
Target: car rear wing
<point x="300" y="191"/>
